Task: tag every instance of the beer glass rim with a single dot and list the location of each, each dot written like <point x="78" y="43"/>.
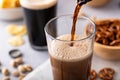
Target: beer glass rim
<point x="80" y="16"/>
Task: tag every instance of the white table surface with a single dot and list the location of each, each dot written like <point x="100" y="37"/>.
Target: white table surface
<point x="36" y="58"/>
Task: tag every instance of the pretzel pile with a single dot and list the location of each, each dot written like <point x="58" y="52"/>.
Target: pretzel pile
<point x="108" y="32"/>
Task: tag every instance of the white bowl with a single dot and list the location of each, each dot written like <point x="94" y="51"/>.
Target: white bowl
<point x="11" y="14"/>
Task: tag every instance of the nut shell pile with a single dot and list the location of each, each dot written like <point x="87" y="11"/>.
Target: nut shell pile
<point x="21" y="69"/>
<point x="108" y="32"/>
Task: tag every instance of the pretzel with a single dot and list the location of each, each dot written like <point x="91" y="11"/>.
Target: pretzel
<point x="108" y="32"/>
<point x="106" y="76"/>
<point x="118" y="35"/>
<point x="115" y="42"/>
<point x="106" y="73"/>
<point x="93" y="75"/>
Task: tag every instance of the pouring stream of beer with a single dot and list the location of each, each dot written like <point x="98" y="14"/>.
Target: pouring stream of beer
<point x="76" y="12"/>
<point x="77" y="9"/>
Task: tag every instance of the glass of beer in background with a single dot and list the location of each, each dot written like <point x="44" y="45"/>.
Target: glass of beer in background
<point x="70" y="62"/>
<point x="37" y="13"/>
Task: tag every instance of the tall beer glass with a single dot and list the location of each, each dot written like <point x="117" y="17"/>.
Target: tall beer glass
<point x="70" y="62"/>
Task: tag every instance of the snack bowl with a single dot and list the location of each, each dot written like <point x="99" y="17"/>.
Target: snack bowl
<point x="107" y="52"/>
<point x="110" y="51"/>
<point x="11" y="13"/>
<point x="98" y="3"/>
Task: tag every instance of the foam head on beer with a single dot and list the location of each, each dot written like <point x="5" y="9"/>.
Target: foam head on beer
<point x="38" y="4"/>
<point x="63" y="51"/>
<point x="36" y="14"/>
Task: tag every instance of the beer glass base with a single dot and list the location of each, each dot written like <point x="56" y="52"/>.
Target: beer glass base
<point x="39" y="48"/>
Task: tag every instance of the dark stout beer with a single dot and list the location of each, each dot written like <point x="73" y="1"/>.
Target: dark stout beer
<point x="37" y="13"/>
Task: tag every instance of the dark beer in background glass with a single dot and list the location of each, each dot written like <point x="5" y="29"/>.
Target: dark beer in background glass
<point x="37" y="13"/>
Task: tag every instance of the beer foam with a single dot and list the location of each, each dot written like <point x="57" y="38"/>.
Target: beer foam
<point x="63" y="51"/>
<point x="38" y="4"/>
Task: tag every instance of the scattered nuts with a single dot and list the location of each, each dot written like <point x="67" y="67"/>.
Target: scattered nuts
<point x="22" y="69"/>
<point x="16" y="73"/>
<point x="13" y="63"/>
<point x="6" y="78"/>
<point x="28" y="68"/>
<point x="16" y="62"/>
<point x="25" y="68"/>
<point x="19" y="60"/>
<point x="5" y="71"/>
<point x="21" y="76"/>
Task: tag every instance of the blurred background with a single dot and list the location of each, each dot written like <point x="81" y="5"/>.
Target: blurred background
<point x="11" y="16"/>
